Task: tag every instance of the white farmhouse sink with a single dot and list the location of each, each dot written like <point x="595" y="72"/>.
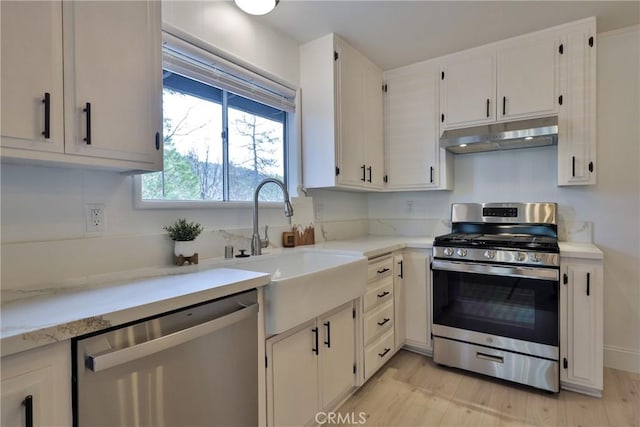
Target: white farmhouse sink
<point x="307" y="283"/>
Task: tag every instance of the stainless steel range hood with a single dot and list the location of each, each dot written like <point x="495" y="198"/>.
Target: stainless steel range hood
<point x="502" y="136"/>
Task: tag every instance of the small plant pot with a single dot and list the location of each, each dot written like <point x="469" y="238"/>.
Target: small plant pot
<point x="184" y="248"/>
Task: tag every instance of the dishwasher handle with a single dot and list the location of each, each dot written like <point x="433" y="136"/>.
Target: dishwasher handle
<point x="118" y="357"/>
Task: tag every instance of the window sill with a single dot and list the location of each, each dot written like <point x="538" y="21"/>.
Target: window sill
<point x="196" y="204"/>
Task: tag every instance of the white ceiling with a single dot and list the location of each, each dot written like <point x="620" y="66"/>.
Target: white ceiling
<point x="393" y="33"/>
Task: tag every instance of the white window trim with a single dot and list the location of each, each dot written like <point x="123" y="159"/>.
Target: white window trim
<point x="140" y="203"/>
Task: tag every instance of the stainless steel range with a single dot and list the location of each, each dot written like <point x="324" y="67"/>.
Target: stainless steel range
<point x="496" y="292"/>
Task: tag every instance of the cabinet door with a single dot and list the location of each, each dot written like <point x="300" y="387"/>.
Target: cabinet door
<point x="373" y="134"/>
<point x="337" y="354"/>
<point x="44" y="374"/>
<point x="113" y="66"/>
<point x="577" y="116"/>
<point x="411" y="130"/>
<point x="528" y="78"/>
<point x="350" y="94"/>
<point x="31" y="68"/>
<point x="399" y="301"/>
<point x="582" y="323"/>
<point x="417" y="299"/>
<point x="295" y="385"/>
<point x="467" y="90"/>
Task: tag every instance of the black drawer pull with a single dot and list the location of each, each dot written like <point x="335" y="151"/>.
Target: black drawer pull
<point x="364" y="172"/>
<point x="328" y="341"/>
<point x="87" y="109"/>
<point x="386" y="319"/>
<point x="47" y="115"/>
<point x="386" y="350"/>
<point x="28" y="411"/>
<point x="315" y="331"/>
<point x="369" y="169"/>
<point x="384" y="270"/>
<point x="384" y="294"/>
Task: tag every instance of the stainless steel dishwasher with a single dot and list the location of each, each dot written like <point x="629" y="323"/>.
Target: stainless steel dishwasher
<point x="192" y="367"/>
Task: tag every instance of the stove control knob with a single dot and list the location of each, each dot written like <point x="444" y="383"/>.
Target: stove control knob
<point x="521" y="256"/>
<point x="462" y="252"/>
<point x="448" y="251"/>
<point x="490" y="254"/>
<point x="535" y="257"/>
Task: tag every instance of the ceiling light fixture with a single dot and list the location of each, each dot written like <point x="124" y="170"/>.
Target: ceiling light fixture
<point x="528" y="138"/>
<point x="462" y="145"/>
<point x="256" y="7"/>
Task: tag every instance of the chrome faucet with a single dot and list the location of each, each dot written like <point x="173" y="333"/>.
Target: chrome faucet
<point x="256" y="242"/>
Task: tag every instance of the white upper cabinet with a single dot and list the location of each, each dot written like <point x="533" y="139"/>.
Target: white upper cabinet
<point x="517" y="78"/>
<point x="31" y="77"/>
<point x="114" y="66"/>
<point x="413" y="158"/>
<point x="577" y="118"/>
<point x="527" y="78"/>
<point x="342" y="114"/>
<point x="468" y="89"/>
<point x="108" y="57"/>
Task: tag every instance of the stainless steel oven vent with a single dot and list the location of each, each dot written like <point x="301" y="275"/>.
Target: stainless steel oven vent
<point x="502" y="136"/>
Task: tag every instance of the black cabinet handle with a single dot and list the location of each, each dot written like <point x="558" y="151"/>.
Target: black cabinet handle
<point x="488" y="103"/>
<point x="431" y="174"/>
<point x="87" y="110"/>
<point x="386" y="319"/>
<point x="328" y="341"/>
<point x="157" y="141"/>
<point x="364" y="178"/>
<point x="588" y="283"/>
<point x="401" y="275"/>
<point x="384" y="294"/>
<point x="47" y="115"/>
<point x="573" y="166"/>
<point x="28" y="410"/>
<point x="384" y="270"/>
<point x="315" y="331"/>
<point x="369" y="169"/>
<point x="386" y="350"/>
<point x="504" y="105"/>
<point x="590" y="166"/>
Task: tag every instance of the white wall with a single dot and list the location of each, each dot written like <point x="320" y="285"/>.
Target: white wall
<point x="613" y="205"/>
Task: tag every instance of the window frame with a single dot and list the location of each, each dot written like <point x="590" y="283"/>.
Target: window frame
<point x="289" y="117"/>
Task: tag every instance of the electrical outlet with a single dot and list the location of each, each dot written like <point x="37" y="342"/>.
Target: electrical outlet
<point x="319" y="211"/>
<point x="409" y="206"/>
<point x="94" y="213"/>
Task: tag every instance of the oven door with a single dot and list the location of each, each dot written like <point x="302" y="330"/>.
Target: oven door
<point x="509" y="307"/>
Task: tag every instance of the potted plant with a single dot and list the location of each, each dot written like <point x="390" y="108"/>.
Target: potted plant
<point x="184" y="233"/>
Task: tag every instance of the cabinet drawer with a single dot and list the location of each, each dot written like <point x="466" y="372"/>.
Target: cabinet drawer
<point x="378" y="321"/>
<point x="378" y="353"/>
<point x="379" y="294"/>
<point x="380" y="268"/>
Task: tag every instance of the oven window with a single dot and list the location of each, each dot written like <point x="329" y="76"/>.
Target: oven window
<point x="513" y="307"/>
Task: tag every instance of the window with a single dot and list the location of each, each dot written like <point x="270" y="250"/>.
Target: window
<point x="223" y="134"/>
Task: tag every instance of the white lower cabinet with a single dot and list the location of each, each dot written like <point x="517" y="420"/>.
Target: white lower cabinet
<point x="417" y="293"/>
<point x="311" y="368"/>
<point x="581" y="325"/>
<point x="36" y="385"/>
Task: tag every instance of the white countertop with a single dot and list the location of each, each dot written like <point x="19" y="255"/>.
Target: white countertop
<point x="59" y="314"/>
<point x="580" y="250"/>
<point x="37" y="321"/>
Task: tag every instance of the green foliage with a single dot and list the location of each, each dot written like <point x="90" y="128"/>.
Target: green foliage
<point x="184" y="231"/>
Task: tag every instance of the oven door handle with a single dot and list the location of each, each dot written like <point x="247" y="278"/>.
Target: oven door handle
<point x="97" y="363"/>
<point x="497" y="270"/>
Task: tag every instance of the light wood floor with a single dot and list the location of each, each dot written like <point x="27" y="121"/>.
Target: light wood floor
<point x="411" y="390"/>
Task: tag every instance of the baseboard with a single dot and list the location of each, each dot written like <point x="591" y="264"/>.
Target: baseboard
<point x="418" y="347"/>
<point x="625" y="359"/>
